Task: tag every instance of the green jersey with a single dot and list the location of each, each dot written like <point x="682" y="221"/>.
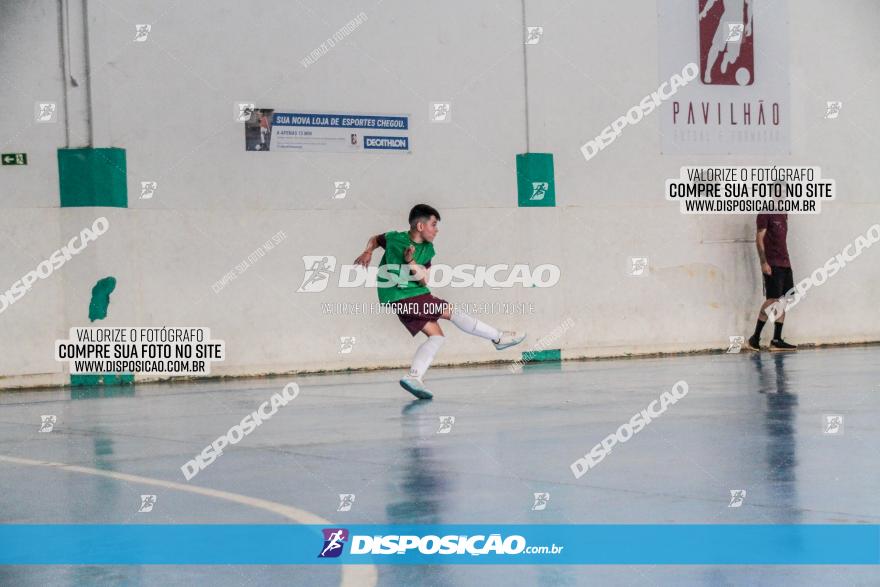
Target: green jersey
<point x="392" y="287"/>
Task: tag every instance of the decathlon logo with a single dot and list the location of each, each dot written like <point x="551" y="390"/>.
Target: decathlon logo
<point x="334" y="540"/>
<point x="318" y="269"/>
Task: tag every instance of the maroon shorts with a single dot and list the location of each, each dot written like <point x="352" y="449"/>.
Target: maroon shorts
<point x="417" y="311"/>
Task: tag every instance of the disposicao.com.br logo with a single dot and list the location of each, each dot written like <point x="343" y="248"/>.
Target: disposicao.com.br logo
<point x="430" y="544"/>
<point x="319" y="268"/>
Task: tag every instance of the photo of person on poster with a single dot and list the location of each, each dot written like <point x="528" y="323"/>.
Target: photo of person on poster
<point x="258" y="130"/>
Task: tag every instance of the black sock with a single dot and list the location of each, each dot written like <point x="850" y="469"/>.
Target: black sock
<point x="759" y="327"/>
<point x="777" y="331"/>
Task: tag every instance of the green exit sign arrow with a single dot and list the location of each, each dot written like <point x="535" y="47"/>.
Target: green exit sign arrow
<point x="14" y="158"/>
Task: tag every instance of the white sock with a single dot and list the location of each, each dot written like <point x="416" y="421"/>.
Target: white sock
<point x="425" y="354"/>
<point x="473" y="326"/>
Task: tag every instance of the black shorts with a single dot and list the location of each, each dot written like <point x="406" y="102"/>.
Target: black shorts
<point x="778" y="283"/>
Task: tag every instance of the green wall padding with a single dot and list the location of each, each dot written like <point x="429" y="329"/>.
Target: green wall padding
<point x="92" y="177"/>
<point x="98" y="311"/>
<point x="540" y="356"/>
<point x="101" y="298"/>
<point x="535" y="182"/>
<point x="102" y="379"/>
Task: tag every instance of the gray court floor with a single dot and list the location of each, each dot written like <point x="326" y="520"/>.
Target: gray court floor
<point x="749" y="422"/>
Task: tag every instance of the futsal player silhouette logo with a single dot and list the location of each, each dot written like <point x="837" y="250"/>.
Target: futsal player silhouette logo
<point x="346" y="501"/>
<point x="833" y="424"/>
<point x="534" y="35"/>
<point x="832" y="109"/>
<point x="737" y="497"/>
<point x="147" y="503"/>
<point x="446" y="423"/>
<point x="245" y="111"/>
<point x="734" y="32"/>
<point x="318" y="270"/>
<point x="726" y="41"/>
<point x="541" y="500"/>
<point x="334" y="540"/>
<point x="736" y="343"/>
<point x="440" y="112"/>
<point x="539" y="190"/>
<point x="47" y="423"/>
<point x="346" y="344"/>
<point x="637" y="265"/>
<point x="148" y="188"/>
<point x="46" y="112"/>
<point x="341" y="189"/>
<point x="141" y="32"/>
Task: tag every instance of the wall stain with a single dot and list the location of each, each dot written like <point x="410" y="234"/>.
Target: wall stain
<point x="101" y="298"/>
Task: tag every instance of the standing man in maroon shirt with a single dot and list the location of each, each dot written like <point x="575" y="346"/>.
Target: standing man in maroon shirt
<point x="778" y="279"/>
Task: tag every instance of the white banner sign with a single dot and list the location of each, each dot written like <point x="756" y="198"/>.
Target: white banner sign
<point x="269" y="130"/>
<point x="739" y="104"/>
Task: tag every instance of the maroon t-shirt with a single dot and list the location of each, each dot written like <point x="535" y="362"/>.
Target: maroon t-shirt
<point x="774" y="240"/>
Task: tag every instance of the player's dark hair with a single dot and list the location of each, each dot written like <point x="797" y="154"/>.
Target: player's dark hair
<point x="422" y="212"/>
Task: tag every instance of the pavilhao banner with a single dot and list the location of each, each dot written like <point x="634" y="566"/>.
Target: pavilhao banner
<point x="739" y="104"/>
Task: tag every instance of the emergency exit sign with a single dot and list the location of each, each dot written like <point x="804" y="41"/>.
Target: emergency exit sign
<point x="14" y="158"/>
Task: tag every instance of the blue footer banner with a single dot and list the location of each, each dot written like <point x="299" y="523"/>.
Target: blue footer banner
<point x="630" y="544"/>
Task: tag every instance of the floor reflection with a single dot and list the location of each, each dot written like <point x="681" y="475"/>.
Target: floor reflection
<point x="779" y="422"/>
<point x="423" y="490"/>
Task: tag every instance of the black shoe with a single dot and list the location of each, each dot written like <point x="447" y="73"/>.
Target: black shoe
<point x="754" y="343"/>
<point x="777" y="344"/>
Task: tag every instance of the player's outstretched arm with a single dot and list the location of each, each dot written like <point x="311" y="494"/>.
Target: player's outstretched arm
<point x="367" y="256"/>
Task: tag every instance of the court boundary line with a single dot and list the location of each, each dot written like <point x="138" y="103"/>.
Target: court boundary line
<point x="352" y="575"/>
